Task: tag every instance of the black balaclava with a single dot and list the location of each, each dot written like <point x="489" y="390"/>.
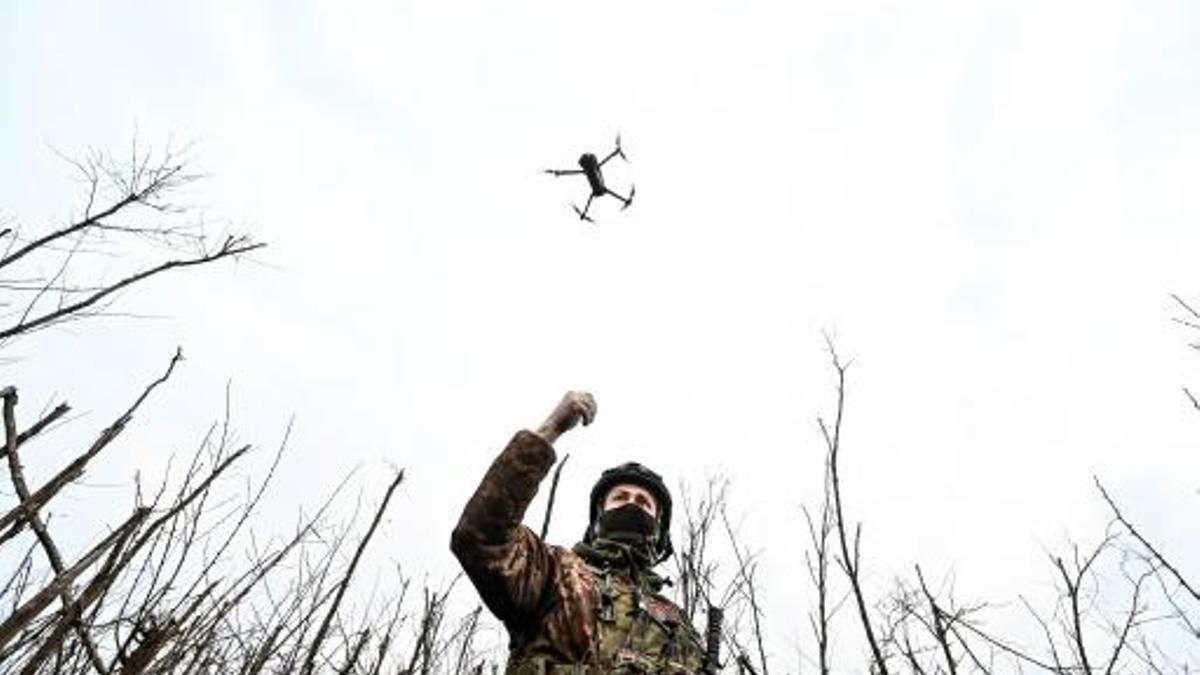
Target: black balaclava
<point x="629" y="524"/>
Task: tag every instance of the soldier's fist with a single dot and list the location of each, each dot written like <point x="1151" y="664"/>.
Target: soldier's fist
<point x="575" y="407"/>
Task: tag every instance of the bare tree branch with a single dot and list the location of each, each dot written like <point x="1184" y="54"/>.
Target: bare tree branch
<point x="849" y="563"/>
<point x="233" y="246"/>
<point x="1158" y="557"/>
<point x="553" y="492"/>
<point x="345" y="582"/>
<point x="63" y="580"/>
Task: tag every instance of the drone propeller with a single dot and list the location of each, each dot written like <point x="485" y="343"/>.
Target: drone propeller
<point x="616" y="151"/>
<point x="629" y="199"/>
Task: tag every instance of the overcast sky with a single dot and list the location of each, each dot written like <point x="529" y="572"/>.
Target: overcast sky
<point x="987" y="205"/>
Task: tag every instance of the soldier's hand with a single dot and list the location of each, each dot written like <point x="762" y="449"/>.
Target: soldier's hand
<point x="574" y="408"/>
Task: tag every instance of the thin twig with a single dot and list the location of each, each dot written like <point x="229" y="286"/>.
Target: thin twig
<point x="38" y="602"/>
<point x="315" y="645"/>
<point x="32" y="502"/>
<point x="746" y="572"/>
<point x="553" y="492"/>
<point x="30" y="508"/>
<point x="1142" y="540"/>
<point x="233" y="246"/>
<point x="849" y="564"/>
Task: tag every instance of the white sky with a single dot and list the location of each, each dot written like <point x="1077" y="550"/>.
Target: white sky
<point x="987" y="204"/>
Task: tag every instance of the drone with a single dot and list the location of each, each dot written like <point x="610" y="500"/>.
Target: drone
<point x="590" y="167"/>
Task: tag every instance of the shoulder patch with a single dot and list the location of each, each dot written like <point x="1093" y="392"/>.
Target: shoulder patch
<point x="663" y="610"/>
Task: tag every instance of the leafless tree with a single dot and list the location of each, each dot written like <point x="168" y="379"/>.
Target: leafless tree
<point x="850" y="554"/>
<point x="132" y="224"/>
<point x="816" y="560"/>
<point x="1110" y="614"/>
<point x="720" y="574"/>
<point x="182" y="584"/>
<point x="694" y="567"/>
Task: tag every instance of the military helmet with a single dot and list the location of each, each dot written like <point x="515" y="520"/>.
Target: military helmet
<point x="636" y="474"/>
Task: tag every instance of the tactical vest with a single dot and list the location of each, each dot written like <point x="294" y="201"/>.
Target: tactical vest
<point x="636" y="633"/>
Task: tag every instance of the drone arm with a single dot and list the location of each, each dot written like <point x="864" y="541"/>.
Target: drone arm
<point x="625" y="200"/>
<point x="562" y="172"/>
<point x="612" y="154"/>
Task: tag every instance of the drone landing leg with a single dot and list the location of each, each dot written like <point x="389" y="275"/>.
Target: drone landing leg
<point x="583" y="214"/>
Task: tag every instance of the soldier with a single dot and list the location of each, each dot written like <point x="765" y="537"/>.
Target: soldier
<point x="594" y="608"/>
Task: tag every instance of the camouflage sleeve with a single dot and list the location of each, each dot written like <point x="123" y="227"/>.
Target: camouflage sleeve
<point x="509" y="565"/>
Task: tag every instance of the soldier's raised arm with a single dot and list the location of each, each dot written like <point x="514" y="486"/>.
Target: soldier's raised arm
<point x="510" y="566"/>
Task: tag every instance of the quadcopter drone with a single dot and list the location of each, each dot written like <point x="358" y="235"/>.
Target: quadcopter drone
<point x="590" y="167"/>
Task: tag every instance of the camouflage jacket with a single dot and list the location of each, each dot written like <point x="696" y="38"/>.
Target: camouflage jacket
<point x="581" y="610"/>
